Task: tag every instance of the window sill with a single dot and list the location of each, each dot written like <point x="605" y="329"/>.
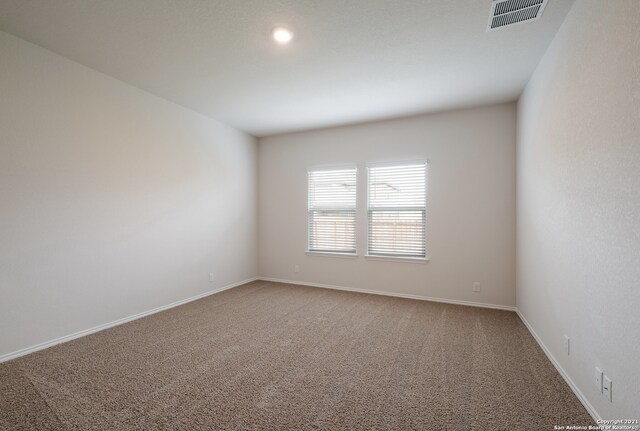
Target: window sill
<point x="332" y="254"/>
<point x="397" y="259"/>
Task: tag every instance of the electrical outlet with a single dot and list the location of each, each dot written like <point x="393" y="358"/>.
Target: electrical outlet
<point x="566" y="341"/>
<point x="476" y="286"/>
<point x="211" y="277"/>
<point x="296" y="269"/>
<point x="607" y="388"/>
<point x="598" y="379"/>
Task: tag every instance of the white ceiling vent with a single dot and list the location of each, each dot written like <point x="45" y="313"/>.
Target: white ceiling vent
<point x="509" y="12"/>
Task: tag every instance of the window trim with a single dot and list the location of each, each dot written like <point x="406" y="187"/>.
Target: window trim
<point x="368" y="209"/>
<point x="331" y="254"/>
<point x="385" y="258"/>
<point x="327" y="252"/>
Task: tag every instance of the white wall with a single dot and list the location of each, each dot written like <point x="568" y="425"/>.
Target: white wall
<point x="471" y="208"/>
<point x="112" y="201"/>
<point x="578" y="269"/>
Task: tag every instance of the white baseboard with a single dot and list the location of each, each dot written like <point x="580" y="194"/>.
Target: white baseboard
<point x="397" y="295"/>
<point x="587" y="405"/>
<point x="64" y="339"/>
<point x="592" y="411"/>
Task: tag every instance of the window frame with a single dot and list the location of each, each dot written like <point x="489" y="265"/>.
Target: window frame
<point x="423" y="209"/>
<point x="330" y="252"/>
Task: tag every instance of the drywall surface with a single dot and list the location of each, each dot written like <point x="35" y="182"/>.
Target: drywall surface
<point x="470" y="210"/>
<point x="112" y="201"/>
<point x="578" y="267"/>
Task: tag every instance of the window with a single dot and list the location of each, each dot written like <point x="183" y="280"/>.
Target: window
<point x="332" y="211"/>
<point x="397" y="210"/>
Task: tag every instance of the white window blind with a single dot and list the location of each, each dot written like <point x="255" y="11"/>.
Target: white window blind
<point x="332" y="211"/>
<point x="397" y="210"/>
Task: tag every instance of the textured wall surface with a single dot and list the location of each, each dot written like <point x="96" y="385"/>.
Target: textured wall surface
<point x="578" y="270"/>
<point x="470" y="210"/>
<point x="112" y="201"/>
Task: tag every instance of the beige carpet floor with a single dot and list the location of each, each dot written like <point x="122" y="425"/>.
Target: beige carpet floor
<point x="268" y="356"/>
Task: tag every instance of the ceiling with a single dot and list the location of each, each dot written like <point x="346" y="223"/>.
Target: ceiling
<point x="351" y="60"/>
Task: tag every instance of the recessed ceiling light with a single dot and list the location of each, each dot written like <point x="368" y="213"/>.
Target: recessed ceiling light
<point x="282" y="35"/>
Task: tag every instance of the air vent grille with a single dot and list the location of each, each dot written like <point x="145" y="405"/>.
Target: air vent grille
<point x="514" y="5"/>
<point x="508" y="12"/>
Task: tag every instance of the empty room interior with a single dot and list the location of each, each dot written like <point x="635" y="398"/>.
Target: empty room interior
<point x="319" y="215"/>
